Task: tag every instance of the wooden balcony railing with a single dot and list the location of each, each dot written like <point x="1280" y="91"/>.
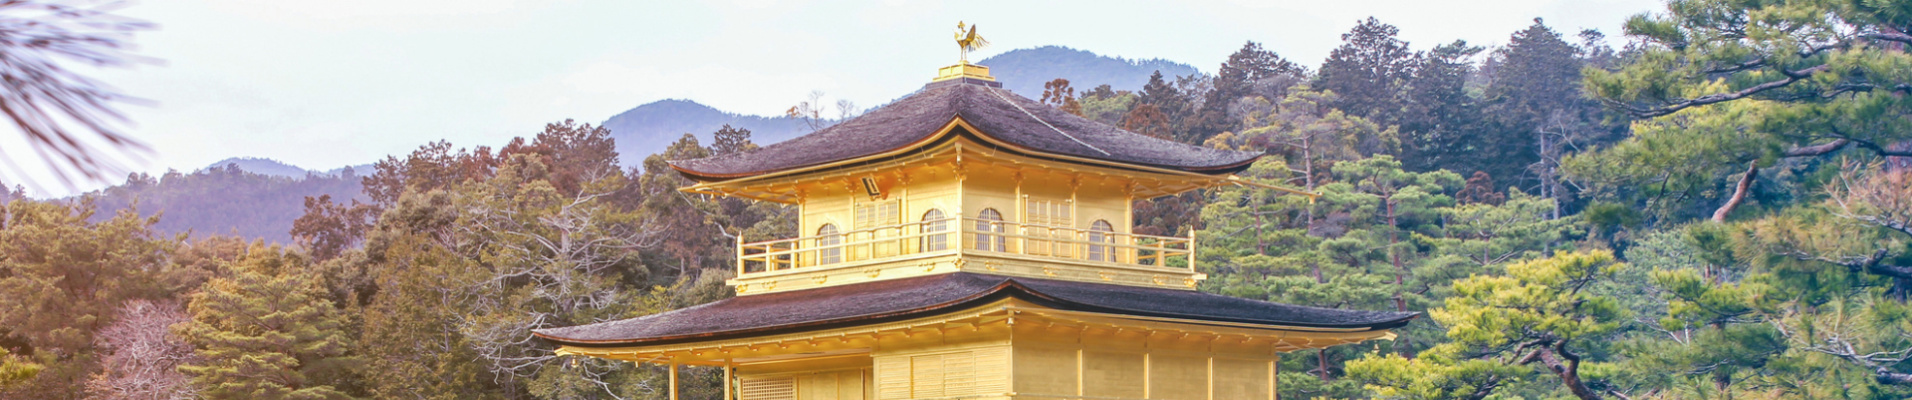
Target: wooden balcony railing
<point x="966" y="235"/>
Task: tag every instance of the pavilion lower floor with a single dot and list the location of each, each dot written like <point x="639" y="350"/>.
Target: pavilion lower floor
<point x="1005" y="350"/>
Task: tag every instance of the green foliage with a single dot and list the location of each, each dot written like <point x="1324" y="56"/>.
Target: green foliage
<point x="62" y="277"/>
<point x="1370" y="71"/>
<point x="1539" y="312"/>
<point x="267" y="332"/>
<point x="15" y="369"/>
<point x="1107" y="109"/>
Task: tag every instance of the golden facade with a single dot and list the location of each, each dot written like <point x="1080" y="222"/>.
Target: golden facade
<point x="961" y="202"/>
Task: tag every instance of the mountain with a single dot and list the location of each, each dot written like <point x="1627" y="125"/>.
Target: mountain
<point x="261" y="166"/>
<point x="1025" y="70"/>
<point x="650" y="128"/>
<point x="226" y="200"/>
<point x="260" y="197"/>
<point x="271" y="167"/>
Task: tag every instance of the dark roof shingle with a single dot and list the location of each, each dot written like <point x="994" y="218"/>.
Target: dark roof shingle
<point x="882" y="301"/>
<point x="997" y="112"/>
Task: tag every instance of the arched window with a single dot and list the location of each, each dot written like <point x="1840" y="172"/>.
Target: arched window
<point x="933" y="222"/>
<point x="990" y="221"/>
<point x="827" y="237"/>
<point x="1101" y="232"/>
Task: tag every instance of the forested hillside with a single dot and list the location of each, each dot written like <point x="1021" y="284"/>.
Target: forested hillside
<point x="1714" y="206"/>
<point x="651" y="127"/>
<point x="224" y="200"/>
<point x="1025" y="70"/>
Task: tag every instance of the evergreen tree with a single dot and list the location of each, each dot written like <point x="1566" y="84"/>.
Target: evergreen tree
<point x="1251" y="72"/>
<point x="1800" y="80"/>
<point x="1441" y="124"/>
<point x="1370" y="72"/>
<point x="62" y="278"/>
<point x="1540" y="317"/>
<point x="1539" y="113"/>
<point x="268" y="332"/>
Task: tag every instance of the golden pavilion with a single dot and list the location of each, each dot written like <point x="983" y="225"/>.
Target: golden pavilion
<point x="964" y="242"/>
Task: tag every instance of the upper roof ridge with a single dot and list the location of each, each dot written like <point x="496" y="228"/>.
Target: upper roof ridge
<point x="913" y="119"/>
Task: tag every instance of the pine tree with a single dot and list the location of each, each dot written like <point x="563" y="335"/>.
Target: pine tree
<point x="1539" y="113"/>
<point x="1370" y="72"/>
<point x="62" y="277"/>
<point x="1541" y="316"/>
<point x="1440" y="126"/>
<point x="267" y="332"/>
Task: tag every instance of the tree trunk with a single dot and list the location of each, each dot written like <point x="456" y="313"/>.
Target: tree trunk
<point x="1739" y="192"/>
<point x="1307" y="168"/>
<point x="1568" y="371"/>
<point x="1321" y="369"/>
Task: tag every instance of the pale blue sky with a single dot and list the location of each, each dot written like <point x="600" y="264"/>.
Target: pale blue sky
<point x="326" y="83"/>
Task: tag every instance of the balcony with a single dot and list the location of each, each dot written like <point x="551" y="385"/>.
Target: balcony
<point x="966" y="236"/>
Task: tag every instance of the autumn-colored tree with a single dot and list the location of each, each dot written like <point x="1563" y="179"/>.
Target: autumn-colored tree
<point x="1058" y="94"/>
<point x="434" y="165"/>
<point x="1147" y="119"/>
<point x="329" y="227"/>
<point x="1480" y="189"/>
<point x="573" y="153"/>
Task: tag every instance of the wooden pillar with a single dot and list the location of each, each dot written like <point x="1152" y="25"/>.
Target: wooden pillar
<point x="1079" y="369"/>
<point x="1191" y="250"/>
<point x="1148" y="371"/>
<point x="727" y="381"/>
<point x="673" y="374"/>
<point x="1273" y="367"/>
<point x="1211" y="373"/>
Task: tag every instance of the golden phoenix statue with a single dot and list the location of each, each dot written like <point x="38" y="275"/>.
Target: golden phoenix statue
<point x="969" y="41"/>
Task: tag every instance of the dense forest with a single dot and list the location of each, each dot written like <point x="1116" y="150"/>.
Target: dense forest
<point x="225" y="200"/>
<point x="1720" y="206"/>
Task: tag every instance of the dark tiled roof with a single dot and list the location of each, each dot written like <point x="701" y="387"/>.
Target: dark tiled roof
<point x="997" y="112"/>
<point x="882" y="301"/>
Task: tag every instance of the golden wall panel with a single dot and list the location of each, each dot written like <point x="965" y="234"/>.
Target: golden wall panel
<point x="1112" y="374"/>
<point x="892" y="378"/>
<point x="1242" y="379"/>
<point x="1045" y="370"/>
<point x="975" y="372"/>
<point x="1176" y="377"/>
<point x="836" y="385"/>
<point x="926" y="376"/>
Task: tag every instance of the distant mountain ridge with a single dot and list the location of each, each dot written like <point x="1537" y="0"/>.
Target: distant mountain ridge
<point x="650" y="128"/>
<point x="260" y="197"/>
<point x="271" y="167"/>
<point x="1024" y="71"/>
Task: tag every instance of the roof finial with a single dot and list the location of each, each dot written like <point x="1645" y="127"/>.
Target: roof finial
<point x="969" y="41"/>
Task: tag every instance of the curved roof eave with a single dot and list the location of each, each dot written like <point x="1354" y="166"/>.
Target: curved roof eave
<point x="1056" y="296"/>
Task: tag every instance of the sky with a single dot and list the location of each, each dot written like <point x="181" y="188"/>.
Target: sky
<point x="327" y="83"/>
